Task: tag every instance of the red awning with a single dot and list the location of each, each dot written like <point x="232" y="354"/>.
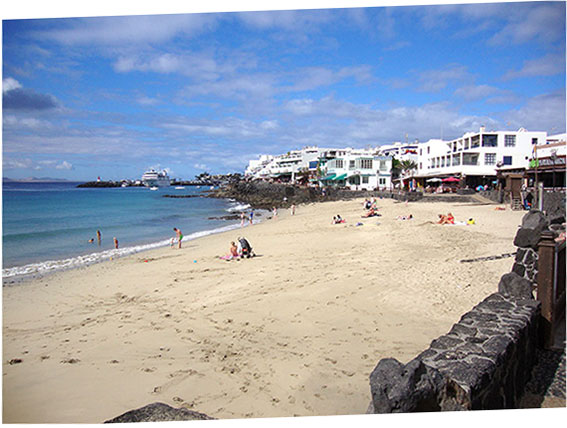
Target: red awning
<point x="450" y="180"/>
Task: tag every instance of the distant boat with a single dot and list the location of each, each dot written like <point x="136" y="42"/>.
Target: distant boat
<point x="212" y="187"/>
<point x="179" y="187"/>
<point x="152" y="178"/>
<point x="154" y="188"/>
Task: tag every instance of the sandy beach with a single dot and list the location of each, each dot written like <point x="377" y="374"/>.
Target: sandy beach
<point x="295" y="331"/>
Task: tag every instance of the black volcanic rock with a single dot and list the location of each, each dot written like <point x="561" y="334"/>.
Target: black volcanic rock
<point x="158" y="412"/>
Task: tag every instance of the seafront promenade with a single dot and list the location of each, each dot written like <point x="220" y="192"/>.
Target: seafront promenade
<point x="294" y="331"/>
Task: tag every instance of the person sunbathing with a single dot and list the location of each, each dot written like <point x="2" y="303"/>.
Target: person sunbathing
<point x="338" y="219"/>
<point x="371" y="213"/>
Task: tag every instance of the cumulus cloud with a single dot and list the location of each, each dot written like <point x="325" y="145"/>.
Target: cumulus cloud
<point x="15" y="97"/>
<point x="548" y="65"/>
<point x="64" y="165"/>
<point x="25" y="163"/>
<point x="9" y="84"/>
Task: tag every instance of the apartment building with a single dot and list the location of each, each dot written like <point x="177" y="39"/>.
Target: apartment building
<point x="358" y="170"/>
<point x="476" y="156"/>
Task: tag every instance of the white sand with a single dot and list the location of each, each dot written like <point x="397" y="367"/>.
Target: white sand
<point x="294" y="331"/>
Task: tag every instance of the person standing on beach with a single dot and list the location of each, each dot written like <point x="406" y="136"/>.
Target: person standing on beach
<point x="251" y="216"/>
<point x="179" y="236"/>
<point x="242" y="219"/>
<point x="98" y="237"/>
<point x="115" y="242"/>
<point x="275" y="212"/>
<point x="292" y="209"/>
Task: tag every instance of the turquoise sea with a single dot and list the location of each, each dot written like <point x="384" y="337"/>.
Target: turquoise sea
<point x="47" y="226"/>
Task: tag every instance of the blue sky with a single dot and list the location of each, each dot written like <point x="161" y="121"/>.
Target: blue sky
<point x="113" y="96"/>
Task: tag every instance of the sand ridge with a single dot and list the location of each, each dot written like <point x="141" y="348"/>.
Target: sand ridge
<point x="294" y="331"/>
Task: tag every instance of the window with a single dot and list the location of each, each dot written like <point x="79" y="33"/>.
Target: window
<point x="366" y="163"/>
<point x="470" y="158"/>
<point x="507" y="160"/>
<point x="351" y="164"/>
<point x="534" y="140"/>
<point x="383" y="165"/>
<point x="442" y="161"/>
<point x="490" y="140"/>
<point x="456" y="160"/>
<point x="365" y="180"/>
<point x="490" y="158"/>
<point x="475" y="141"/>
<point x="420" y="167"/>
<point x="382" y="181"/>
<point x="466" y="144"/>
<point x="420" y="150"/>
<point x="509" y="141"/>
<point x="455" y="146"/>
<point x="339" y="163"/>
<point x="428" y="149"/>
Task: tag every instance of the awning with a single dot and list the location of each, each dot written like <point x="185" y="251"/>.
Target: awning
<point x="340" y="177"/>
<point x="329" y="177"/>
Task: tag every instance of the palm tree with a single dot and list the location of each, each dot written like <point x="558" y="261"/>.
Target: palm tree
<point x="407" y="165"/>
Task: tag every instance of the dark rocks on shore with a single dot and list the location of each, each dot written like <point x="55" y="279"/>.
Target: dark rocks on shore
<point x="159" y="412"/>
<point x="264" y="195"/>
<point x="100" y="184"/>
<point x="226" y="217"/>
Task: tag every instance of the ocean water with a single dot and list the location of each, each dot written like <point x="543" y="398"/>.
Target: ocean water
<point x="47" y="226"/>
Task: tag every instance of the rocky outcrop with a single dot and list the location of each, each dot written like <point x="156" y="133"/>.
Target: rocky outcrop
<point x="158" y="412"/>
<point x="264" y="195"/>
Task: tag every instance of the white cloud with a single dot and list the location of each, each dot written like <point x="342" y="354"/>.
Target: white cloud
<point x="548" y="65"/>
<point x="130" y="29"/>
<point x="9" y="84"/>
<point x="436" y="80"/>
<point x="541" y="113"/>
<point x="64" y="165"/>
<point x="476" y="92"/>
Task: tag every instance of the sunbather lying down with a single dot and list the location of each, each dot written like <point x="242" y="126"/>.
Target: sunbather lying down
<point x="371" y="213"/>
<point x="446" y="219"/>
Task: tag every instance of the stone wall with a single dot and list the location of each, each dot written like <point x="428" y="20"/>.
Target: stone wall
<point x="485" y="360"/>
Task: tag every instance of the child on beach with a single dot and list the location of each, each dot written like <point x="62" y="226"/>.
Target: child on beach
<point x="292" y="209"/>
<point x="179" y="236"/>
<point x="275" y="212"/>
<point x="115" y="242"/>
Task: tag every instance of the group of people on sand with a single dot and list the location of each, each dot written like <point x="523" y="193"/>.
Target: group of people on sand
<point x="240" y="251"/>
<point x="99" y="239"/>
<point x="372" y="208"/>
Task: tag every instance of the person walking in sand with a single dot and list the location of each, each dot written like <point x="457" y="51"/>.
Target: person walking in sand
<point x="179" y="236"/>
<point x="98" y="237"/>
<point x="115" y="242"/>
<point x="292" y="209"/>
<point x="275" y="212"/>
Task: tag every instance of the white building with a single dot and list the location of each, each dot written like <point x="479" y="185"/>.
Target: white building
<point x="358" y="170"/>
<point x="285" y="166"/>
<point x="477" y="155"/>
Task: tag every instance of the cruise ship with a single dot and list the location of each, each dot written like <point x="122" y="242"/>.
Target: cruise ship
<point x="152" y="178"/>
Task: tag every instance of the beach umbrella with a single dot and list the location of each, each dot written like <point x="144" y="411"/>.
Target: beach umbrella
<point x="434" y="180"/>
<point x="450" y="180"/>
